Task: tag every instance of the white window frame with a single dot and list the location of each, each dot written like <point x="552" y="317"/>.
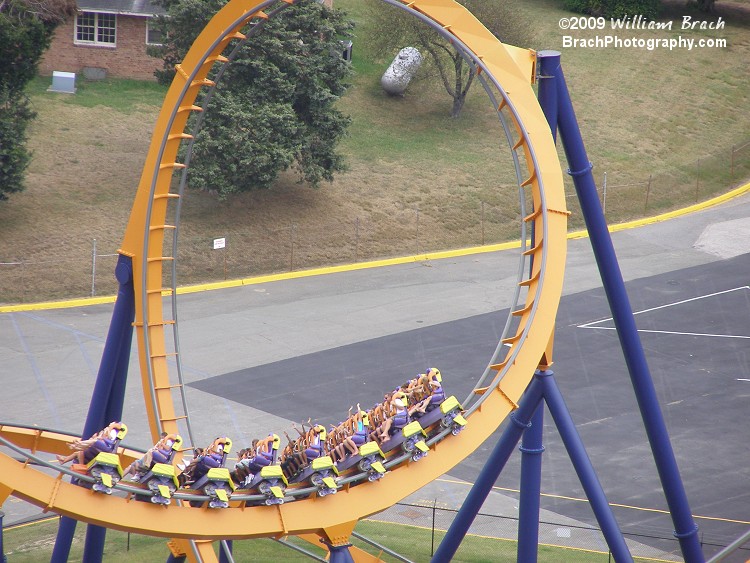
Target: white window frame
<point x="97" y="28"/>
<point x="149" y="21"/>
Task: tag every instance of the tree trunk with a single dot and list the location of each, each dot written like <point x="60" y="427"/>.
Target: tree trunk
<point x="459" y="95"/>
<point x="458" y="104"/>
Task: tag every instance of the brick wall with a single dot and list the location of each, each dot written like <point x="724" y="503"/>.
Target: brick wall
<point x="127" y="60"/>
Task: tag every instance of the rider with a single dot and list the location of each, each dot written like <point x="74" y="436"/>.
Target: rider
<point x="260" y="455"/>
<point x="105" y="440"/>
<point x="316" y="444"/>
<point x="213" y="456"/>
<point x="398" y="420"/>
<point x="161" y="452"/>
<point x="436" y="393"/>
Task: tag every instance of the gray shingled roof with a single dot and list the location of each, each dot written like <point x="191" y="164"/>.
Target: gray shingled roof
<point x="137" y="7"/>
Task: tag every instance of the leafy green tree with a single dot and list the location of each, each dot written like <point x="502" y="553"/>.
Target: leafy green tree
<point x="274" y="108"/>
<point x="616" y="8"/>
<point x="15" y="114"/>
<point x="26" y="28"/>
<point x="392" y="29"/>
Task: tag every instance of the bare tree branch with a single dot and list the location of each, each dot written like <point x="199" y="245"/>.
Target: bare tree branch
<point x="48" y="11"/>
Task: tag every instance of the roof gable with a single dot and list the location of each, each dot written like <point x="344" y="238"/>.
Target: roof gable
<point x="134" y="7"/>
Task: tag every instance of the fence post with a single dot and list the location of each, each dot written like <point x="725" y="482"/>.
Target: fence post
<point x="224" y="252"/>
<point x="291" y="252"/>
<point x="93" y="269"/>
<point x="483" y="223"/>
<point x="417" y="211"/>
<point x="697" y="178"/>
<point x="356" y="240"/>
<point x="434" y="509"/>
<point x="648" y="192"/>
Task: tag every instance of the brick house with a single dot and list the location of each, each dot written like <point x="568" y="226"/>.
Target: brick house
<point x="106" y="37"/>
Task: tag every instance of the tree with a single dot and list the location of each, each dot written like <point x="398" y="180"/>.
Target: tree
<point x="616" y="8"/>
<point x="393" y="29"/>
<point x="26" y="28"/>
<point x="274" y="108"/>
<point x="706" y="5"/>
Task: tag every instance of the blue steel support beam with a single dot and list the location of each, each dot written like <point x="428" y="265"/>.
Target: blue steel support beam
<point x="531" y="446"/>
<point x="547" y="96"/>
<point x="585" y="471"/>
<point x="225" y="552"/>
<point x="686" y="531"/>
<point x="489" y="474"/>
<point x="2" y="552"/>
<point x="65" y="531"/>
<point x="106" y="402"/>
<point x="531" y="487"/>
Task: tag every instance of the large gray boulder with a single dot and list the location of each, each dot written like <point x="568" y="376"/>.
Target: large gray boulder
<point x="403" y="68"/>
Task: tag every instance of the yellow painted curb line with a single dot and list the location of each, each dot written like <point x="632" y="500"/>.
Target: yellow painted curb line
<point x="85" y="301"/>
<point x="380" y="263"/>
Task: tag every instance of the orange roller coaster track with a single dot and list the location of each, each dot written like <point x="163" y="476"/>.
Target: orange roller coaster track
<point x="509" y="73"/>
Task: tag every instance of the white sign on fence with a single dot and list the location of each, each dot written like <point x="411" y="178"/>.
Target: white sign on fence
<point x="219" y="243"/>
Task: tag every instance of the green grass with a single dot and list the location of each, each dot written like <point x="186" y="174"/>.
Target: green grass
<point x="118" y="94"/>
<point x="34" y="542"/>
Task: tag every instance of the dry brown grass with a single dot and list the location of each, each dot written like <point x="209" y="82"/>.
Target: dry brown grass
<point x="417" y="179"/>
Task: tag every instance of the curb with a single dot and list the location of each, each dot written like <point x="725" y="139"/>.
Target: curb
<point x="86" y="301"/>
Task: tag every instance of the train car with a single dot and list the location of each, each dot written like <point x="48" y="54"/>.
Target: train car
<point x="100" y="460"/>
<point x="258" y="470"/>
<point x="156" y="471"/>
<point x="207" y="474"/>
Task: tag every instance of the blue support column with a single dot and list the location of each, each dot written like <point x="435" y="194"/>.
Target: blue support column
<point x="65" y="531"/>
<point x="339" y="553"/>
<point x="531" y="488"/>
<point x="106" y="402"/>
<point x="531" y="446"/>
<point x="2" y="552"/>
<point x="489" y="474"/>
<point x="585" y="471"/>
<point x="225" y="551"/>
<point x="580" y="168"/>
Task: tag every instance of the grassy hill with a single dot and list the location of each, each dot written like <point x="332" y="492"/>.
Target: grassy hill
<point x="664" y="126"/>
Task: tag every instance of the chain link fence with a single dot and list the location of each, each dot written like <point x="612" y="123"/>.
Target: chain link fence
<point x="693" y="183"/>
<point x="493" y="537"/>
<point x="250" y="251"/>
